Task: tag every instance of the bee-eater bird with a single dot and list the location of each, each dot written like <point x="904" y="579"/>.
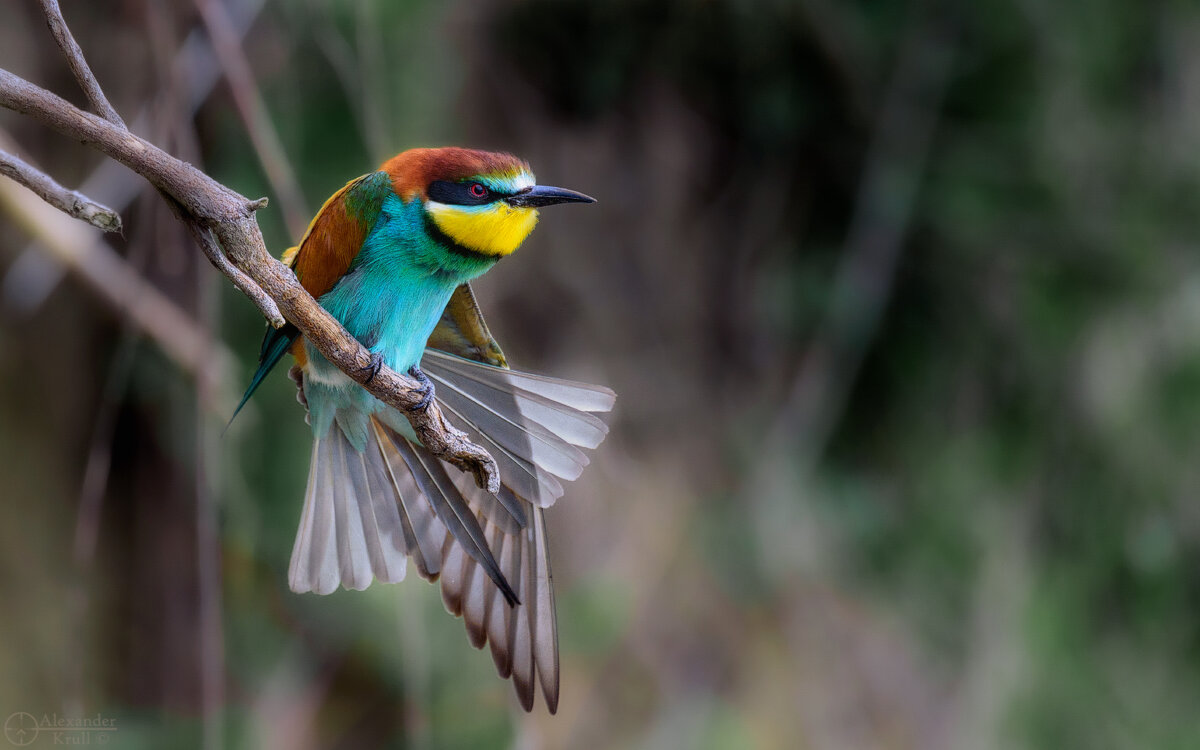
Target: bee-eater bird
<point x="390" y="255"/>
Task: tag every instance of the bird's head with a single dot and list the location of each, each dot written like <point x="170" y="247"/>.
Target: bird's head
<point x="479" y="200"/>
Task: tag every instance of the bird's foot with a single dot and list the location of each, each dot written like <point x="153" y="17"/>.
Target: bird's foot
<point x="426" y="388"/>
<point x="297" y="376"/>
<point x="373" y="368"/>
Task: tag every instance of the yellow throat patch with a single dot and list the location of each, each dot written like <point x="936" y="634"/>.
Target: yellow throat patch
<point x="492" y="229"/>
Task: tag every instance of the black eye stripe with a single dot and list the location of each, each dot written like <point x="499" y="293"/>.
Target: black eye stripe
<point x="459" y="193"/>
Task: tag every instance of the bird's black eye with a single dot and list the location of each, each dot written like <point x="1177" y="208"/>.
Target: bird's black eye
<point x="460" y="193"/>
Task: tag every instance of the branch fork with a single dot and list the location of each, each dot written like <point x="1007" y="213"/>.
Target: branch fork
<point x="224" y="226"/>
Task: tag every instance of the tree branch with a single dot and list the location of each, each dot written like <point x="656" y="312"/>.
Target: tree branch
<point x="194" y="70"/>
<point x="207" y="205"/>
<point x="68" y="201"/>
<point x="83" y="73"/>
<point x="208" y="244"/>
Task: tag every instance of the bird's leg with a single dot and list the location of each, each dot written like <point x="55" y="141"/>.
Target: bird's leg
<point x="297" y="376"/>
<point x="426" y="388"/>
<point x="374" y="367"/>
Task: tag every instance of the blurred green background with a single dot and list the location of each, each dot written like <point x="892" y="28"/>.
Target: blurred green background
<point x="901" y="301"/>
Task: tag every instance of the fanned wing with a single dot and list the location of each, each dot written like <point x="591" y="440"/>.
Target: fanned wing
<point x="490" y="552"/>
<point x="532" y="452"/>
<point x="364" y="512"/>
<point x="534" y="427"/>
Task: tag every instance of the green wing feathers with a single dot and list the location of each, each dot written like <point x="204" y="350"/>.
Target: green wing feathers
<point x="275" y="344"/>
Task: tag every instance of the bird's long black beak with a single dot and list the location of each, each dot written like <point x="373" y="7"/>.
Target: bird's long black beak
<point x="544" y="195"/>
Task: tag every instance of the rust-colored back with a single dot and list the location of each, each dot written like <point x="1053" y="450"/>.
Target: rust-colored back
<point x="330" y="244"/>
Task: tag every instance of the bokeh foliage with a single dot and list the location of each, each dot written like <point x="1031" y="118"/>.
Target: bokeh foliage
<point x="976" y="526"/>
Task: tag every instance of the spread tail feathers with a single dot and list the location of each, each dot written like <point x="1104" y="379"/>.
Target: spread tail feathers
<point x="366" y="512"/>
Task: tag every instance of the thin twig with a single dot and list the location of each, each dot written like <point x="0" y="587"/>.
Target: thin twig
<point x="195" y="66"/>
<point x="212" y="251"/>
<point x="64" y="199"/>
<point x="200" y="196"/>
<point x="230" y="218"/>
<point x="227" y="44"/>
<point x="83" y="74"/>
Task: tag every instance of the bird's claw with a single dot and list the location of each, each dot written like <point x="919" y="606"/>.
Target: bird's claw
<point x="373" y="368"/>
<point x="426" y="388"/>
<point x="297" y="376"/>
<point x="426" y="385"/>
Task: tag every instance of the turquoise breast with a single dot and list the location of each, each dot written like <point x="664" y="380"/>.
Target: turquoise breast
<point x="390" y="300"/>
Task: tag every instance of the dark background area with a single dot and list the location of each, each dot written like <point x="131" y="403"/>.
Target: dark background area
<point x="901" y="301"/>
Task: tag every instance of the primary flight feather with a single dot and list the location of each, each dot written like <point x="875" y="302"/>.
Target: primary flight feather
<point x="390" y="255"/>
